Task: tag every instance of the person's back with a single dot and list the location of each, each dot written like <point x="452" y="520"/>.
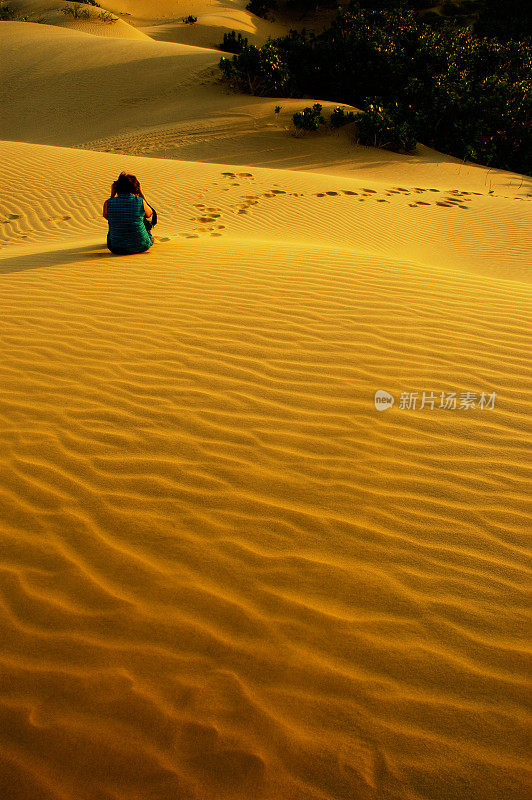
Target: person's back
<point x="125" y="212"/>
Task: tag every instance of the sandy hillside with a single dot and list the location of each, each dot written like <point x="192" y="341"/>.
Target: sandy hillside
<point x="164" y="22"/>
<point x="225" y="574"/>
<point x="88" y="19"/>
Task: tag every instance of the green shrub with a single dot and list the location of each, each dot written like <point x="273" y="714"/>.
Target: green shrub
<point x="385" y="127"/>
<point x="107" y="17"/>
<point x="339" y="117"/>
<point x="233" y="43"/>
<point x="76" y="11"/>
<point x="309" y="119"/>
<point x="190" y="20"/>
<point x="260" y="71"/>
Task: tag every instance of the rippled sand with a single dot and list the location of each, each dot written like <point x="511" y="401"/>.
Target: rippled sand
<point x="224" y="574"/>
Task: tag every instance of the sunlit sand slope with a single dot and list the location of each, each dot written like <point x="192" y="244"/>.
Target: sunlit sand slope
<point x="224" y="573"/>
<point x="213" y="20"/>
<point x="89" y="19"/>
<point x="55" y="195"/>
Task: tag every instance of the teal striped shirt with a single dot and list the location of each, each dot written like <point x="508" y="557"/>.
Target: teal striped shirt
<point x="125" y="215"/>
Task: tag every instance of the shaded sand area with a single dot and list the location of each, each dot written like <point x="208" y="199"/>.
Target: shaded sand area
<point x="224" y="574"/>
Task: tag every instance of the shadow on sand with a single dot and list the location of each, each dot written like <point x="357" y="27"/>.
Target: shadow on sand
<point x="55" y="258"/>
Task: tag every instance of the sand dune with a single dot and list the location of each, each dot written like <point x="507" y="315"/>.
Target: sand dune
<point x="213" y="20"/>
<point x="224" y="573"/>
<point x="93" y="19"/>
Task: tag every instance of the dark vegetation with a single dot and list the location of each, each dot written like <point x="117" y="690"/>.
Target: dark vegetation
<point x="190" y="20"/>
<point x="261" y="7"/>
<point x="233" y="43"/>
<point x="309" y="119"/>
<point x="8" y="13"/>
<point x="76" y="10"/>
<point x="465" y="89"/>
<point x="340" y="117"/>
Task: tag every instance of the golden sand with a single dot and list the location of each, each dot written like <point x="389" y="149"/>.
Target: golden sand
<point x="224" y="574"/>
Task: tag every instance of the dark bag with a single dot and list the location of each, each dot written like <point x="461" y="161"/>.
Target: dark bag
<point x="151" y="221"/>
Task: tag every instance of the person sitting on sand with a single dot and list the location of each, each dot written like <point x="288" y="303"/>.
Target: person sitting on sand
<point x="128" y="214"/>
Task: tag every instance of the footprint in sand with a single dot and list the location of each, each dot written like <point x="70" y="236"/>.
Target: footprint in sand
<point x="382" y="200"/>
<point x="348" y="191"/>
<point x="422" y="203"/>
<point x="332" y="194"/>
<point x="242" y="211"/>
<point x="434" y="190"/>
<point x="191" y="236"/>
<point x="244" y="175"/>
<point x="447" y="205"/>
<point x="229" y="174"/>
<point x="278" y="191"/>
<point x="361" y="199"/>
<point x="370" y="191"/>
<point x="216" y="234"/>
<point x="220" y="227"/>
<point x="161" y="238"/>
<point x="19" y="216"/>
<point x="204" y="219"/>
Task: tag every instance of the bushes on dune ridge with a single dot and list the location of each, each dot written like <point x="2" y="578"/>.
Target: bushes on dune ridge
<point x="309" y="119"/>
<point x="76" y="11"/>
<point x="465" y="95"/>
<point x="233" y="43"/>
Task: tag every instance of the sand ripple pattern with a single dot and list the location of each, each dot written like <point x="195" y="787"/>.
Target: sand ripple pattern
<point x="223" y="573"/>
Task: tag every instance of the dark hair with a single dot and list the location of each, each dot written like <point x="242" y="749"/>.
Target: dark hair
<point x="127" y="184"/>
